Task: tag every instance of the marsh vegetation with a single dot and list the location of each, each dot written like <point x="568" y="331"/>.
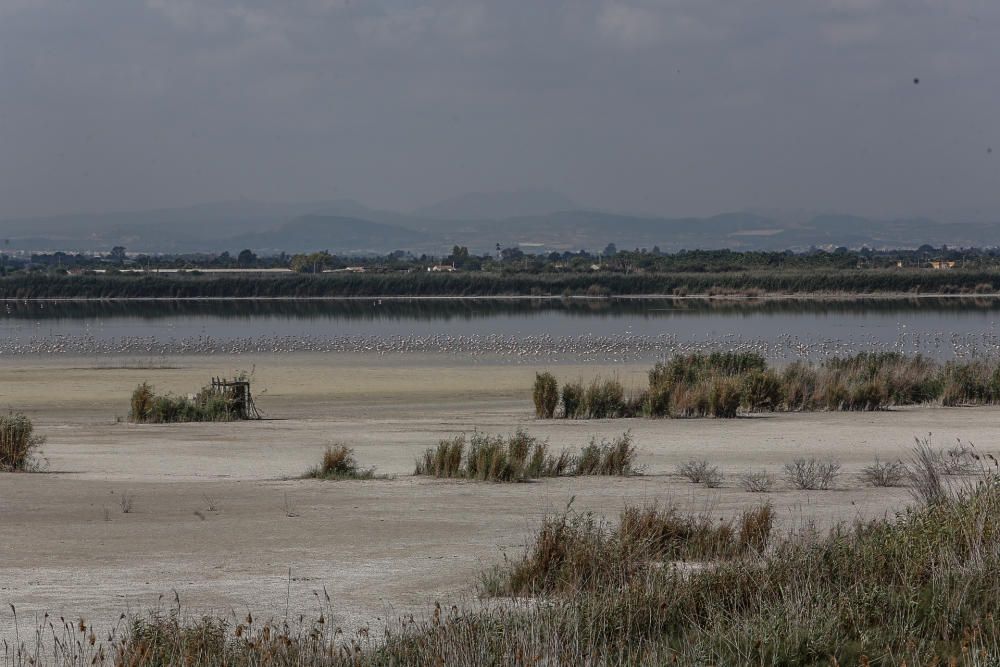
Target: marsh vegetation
<point x="520" y="457"/>
<point x="727" y="384"/>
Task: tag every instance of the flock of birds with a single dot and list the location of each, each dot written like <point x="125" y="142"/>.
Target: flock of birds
<point x="510" y="348"/>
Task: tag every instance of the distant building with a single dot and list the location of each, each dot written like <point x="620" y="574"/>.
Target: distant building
<point x="942" y="264"/>
<point x="442" y="268"/>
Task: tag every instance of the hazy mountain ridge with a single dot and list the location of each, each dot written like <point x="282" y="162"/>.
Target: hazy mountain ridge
<point x="347" y="226"/>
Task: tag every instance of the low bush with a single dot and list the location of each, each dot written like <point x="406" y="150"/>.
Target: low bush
<point x="812" y="474"/>
<point x="889" y="473"/>
<point x="756" y="481"/>
<point x="18" y="443"/>
<point x="696" y="471"/>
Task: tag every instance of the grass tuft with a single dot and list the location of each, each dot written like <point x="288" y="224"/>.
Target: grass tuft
<point x="339" y="463"/>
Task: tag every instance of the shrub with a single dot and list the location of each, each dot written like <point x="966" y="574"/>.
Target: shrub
<point x="18" y="443"/>
<point x="698" y="471"/>
<point x="879" y="474"/>
<point x="713" y="478"/>
<point x="759" y="481"/>
<point x="339" y="463"/>
<point x="545" y="395"/>
<point x="812" y="474"/>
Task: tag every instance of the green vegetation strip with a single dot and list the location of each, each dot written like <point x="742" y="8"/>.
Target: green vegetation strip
<point x="504" y="283"/>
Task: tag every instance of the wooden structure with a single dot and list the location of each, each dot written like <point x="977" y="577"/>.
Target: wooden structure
<point x="239" y="400"/>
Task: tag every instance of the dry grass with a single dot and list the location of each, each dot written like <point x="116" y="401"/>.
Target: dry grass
<point x="19" y="444"/>
<point x="339" y="463"/>
<point x="577" y="552"/>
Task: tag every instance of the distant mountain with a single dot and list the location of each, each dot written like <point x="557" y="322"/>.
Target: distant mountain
<point x="478" y="221"/>
<point x="497" y="205"/>
<point x="337" y="234"/>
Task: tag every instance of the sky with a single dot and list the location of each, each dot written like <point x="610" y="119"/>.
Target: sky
<point x="675" y="107"/>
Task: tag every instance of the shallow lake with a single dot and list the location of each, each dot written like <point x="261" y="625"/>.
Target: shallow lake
<point x="941" y="327"/>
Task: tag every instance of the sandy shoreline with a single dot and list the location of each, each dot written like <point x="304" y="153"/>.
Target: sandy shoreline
<point x="404" y="543"/>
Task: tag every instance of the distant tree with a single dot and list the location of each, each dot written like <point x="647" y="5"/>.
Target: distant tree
<point x="459" y="256"/>
<point x="610" y="250"/>
<point x="511" y="254"/>
<point x="117" y="254"/>
<point x="246" y="258"/>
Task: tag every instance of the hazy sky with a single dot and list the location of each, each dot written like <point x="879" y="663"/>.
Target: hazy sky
<point x="675" y="107"/>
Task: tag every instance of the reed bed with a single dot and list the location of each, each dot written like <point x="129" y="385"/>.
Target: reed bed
<point x="520" y="457"/>
<point x="19" y="443"/>
<point x="727" y="384"/>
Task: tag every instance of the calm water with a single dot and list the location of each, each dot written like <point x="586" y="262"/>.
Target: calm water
<point x="940" y="327"/>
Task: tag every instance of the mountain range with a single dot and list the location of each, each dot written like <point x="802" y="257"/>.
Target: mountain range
<point x="536" y="220"/>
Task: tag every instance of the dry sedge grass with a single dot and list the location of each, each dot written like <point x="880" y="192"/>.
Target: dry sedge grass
<point x="519" y="457"/>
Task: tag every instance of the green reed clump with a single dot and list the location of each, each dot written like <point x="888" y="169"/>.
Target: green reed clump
<point x="519" y="457"/>
<point x="445" y="460"/>
<point x="18" y="443"/>
<point x="572" y="400"/>
<point x="339" y="463"/>
<point x="148" y="407"/>
<point x="608" y="457"/>
<point x="604" y="398"/>
<point x="970" y="383"/>
<point x="545" y="395"/>
<point x="727" y="384"/>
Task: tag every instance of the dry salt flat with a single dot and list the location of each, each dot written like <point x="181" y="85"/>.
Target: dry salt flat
<point x="220" y="520"/>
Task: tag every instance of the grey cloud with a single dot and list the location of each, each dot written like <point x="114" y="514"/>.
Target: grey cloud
<point x="674" y="107"/>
